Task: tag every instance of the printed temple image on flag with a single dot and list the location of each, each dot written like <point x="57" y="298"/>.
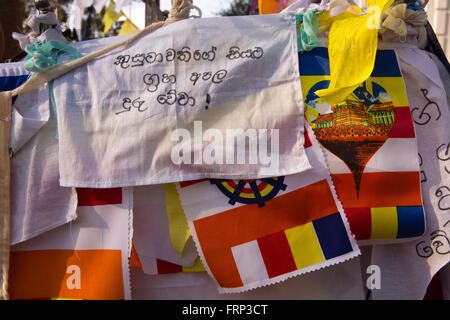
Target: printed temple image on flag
<point x="370" y="147"/>
<point x="82" y="260"/>
<point x="252" y="233"/>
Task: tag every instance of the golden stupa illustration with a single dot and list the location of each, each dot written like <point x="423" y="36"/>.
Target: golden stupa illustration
<point x="355" y="129"/>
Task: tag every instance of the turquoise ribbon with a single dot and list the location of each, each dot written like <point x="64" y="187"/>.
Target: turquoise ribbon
<point x="41" y="55"/>
<point x="307" y="30"/>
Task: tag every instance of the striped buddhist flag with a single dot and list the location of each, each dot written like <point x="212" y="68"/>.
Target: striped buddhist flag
<point x="155" y="266"/>
<point x="252" y="233"/>
<point x="85" y="259"/>
<point x="12" y="75"/>
<point x="371" y="149"/>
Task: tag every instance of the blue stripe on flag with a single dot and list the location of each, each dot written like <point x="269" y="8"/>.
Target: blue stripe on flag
<point x="411" y="222"/>
<point x="316" y="63"/>
<point x="12" y="82"/>
<point x="332" y="235"/>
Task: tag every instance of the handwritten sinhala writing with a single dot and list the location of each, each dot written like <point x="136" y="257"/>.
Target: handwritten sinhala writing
<point x="236" y="53"/>
<point x="216" y="78"/>
<point x="171" y="97"/>
<point x="154" y="80"/>
<point x="185" y="55"/>
<point x="137" y="103"/>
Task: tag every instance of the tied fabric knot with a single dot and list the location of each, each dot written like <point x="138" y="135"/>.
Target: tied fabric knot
<point x="307" y="30"/>
<point x="34" y="21"/>
<point x="182" y="11"/>
<point x="42" y="55"/>
<point x="397" y="17"/>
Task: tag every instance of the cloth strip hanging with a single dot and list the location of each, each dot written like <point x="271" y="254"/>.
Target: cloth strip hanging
<point x="5" y="174"/>
<point x="352" y="49"/>
<point x="178" y="227"/>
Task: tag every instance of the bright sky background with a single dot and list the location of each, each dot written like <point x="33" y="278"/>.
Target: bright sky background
<point x="209" y="8"/>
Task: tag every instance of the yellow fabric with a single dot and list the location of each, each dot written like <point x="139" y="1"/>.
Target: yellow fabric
<point x="396" y="17"/>
<point x="384" y="223"/>
<point x="128" y="27"/>
<point x="352" y="46"/>
<point x="311" y="113"/>
<point x="197" y="267"/>
<point x="110" y="17"/>
<point x="178" y="227"/>
<point x="304" y="245"/>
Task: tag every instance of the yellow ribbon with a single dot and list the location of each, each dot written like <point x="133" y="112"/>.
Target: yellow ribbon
<point x="128" y="27"/>
<point x="110" y="17"/>
<point x="352" y="47"/>
<point x="178" y="227"/>
<point x="197" y="267"/>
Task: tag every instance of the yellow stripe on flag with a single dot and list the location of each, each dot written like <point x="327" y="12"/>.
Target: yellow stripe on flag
<point x="110" y="17"/>
<point x="178" y="227"/>
<point x="384" y="223"/>
<point x="197" y="267"/>
<point x="304" y="245"/>
<point x="128" y="27"/>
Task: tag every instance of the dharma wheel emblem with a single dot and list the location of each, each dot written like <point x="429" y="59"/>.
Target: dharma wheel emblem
<point x="256" y="191"/>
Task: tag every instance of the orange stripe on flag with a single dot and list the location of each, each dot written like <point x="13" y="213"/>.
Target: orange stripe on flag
<point x="379" y="189"/>
<point x="219" y="232"/>
<point x="134" y="259"/>
<point x="70" y="274"/>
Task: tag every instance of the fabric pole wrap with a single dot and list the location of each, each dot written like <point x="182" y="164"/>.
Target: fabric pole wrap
<point x="5" y="177"/>
<point x="180" y="11"/>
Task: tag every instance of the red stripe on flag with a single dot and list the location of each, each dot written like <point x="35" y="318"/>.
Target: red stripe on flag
<point x="184" y="184"/>
<point x="134" y="259"/>
<point x="308" y="142"/>
<point x="165" y="267"/>
<point x="403" y="124"/>
<point x="276" y="254"/>
<point x="99" y="197"/>
<point x="360" y="222"/>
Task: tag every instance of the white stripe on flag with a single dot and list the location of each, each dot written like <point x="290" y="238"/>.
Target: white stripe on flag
<point x="394" y="155"/>
<point x="249" y="262"/>
<point x="403" y="157"/>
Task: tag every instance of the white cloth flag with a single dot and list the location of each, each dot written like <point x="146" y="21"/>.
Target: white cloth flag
<point x="30" y="110"/>
<point x="38" y="203"/>
<point x="122" y="3"/>
<point x="85" y="259"/>
<point x="99" y="4"/>
<point x="407" y="269"/>
<point x="216" y="97"/>
<point x="76" y="15"/>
